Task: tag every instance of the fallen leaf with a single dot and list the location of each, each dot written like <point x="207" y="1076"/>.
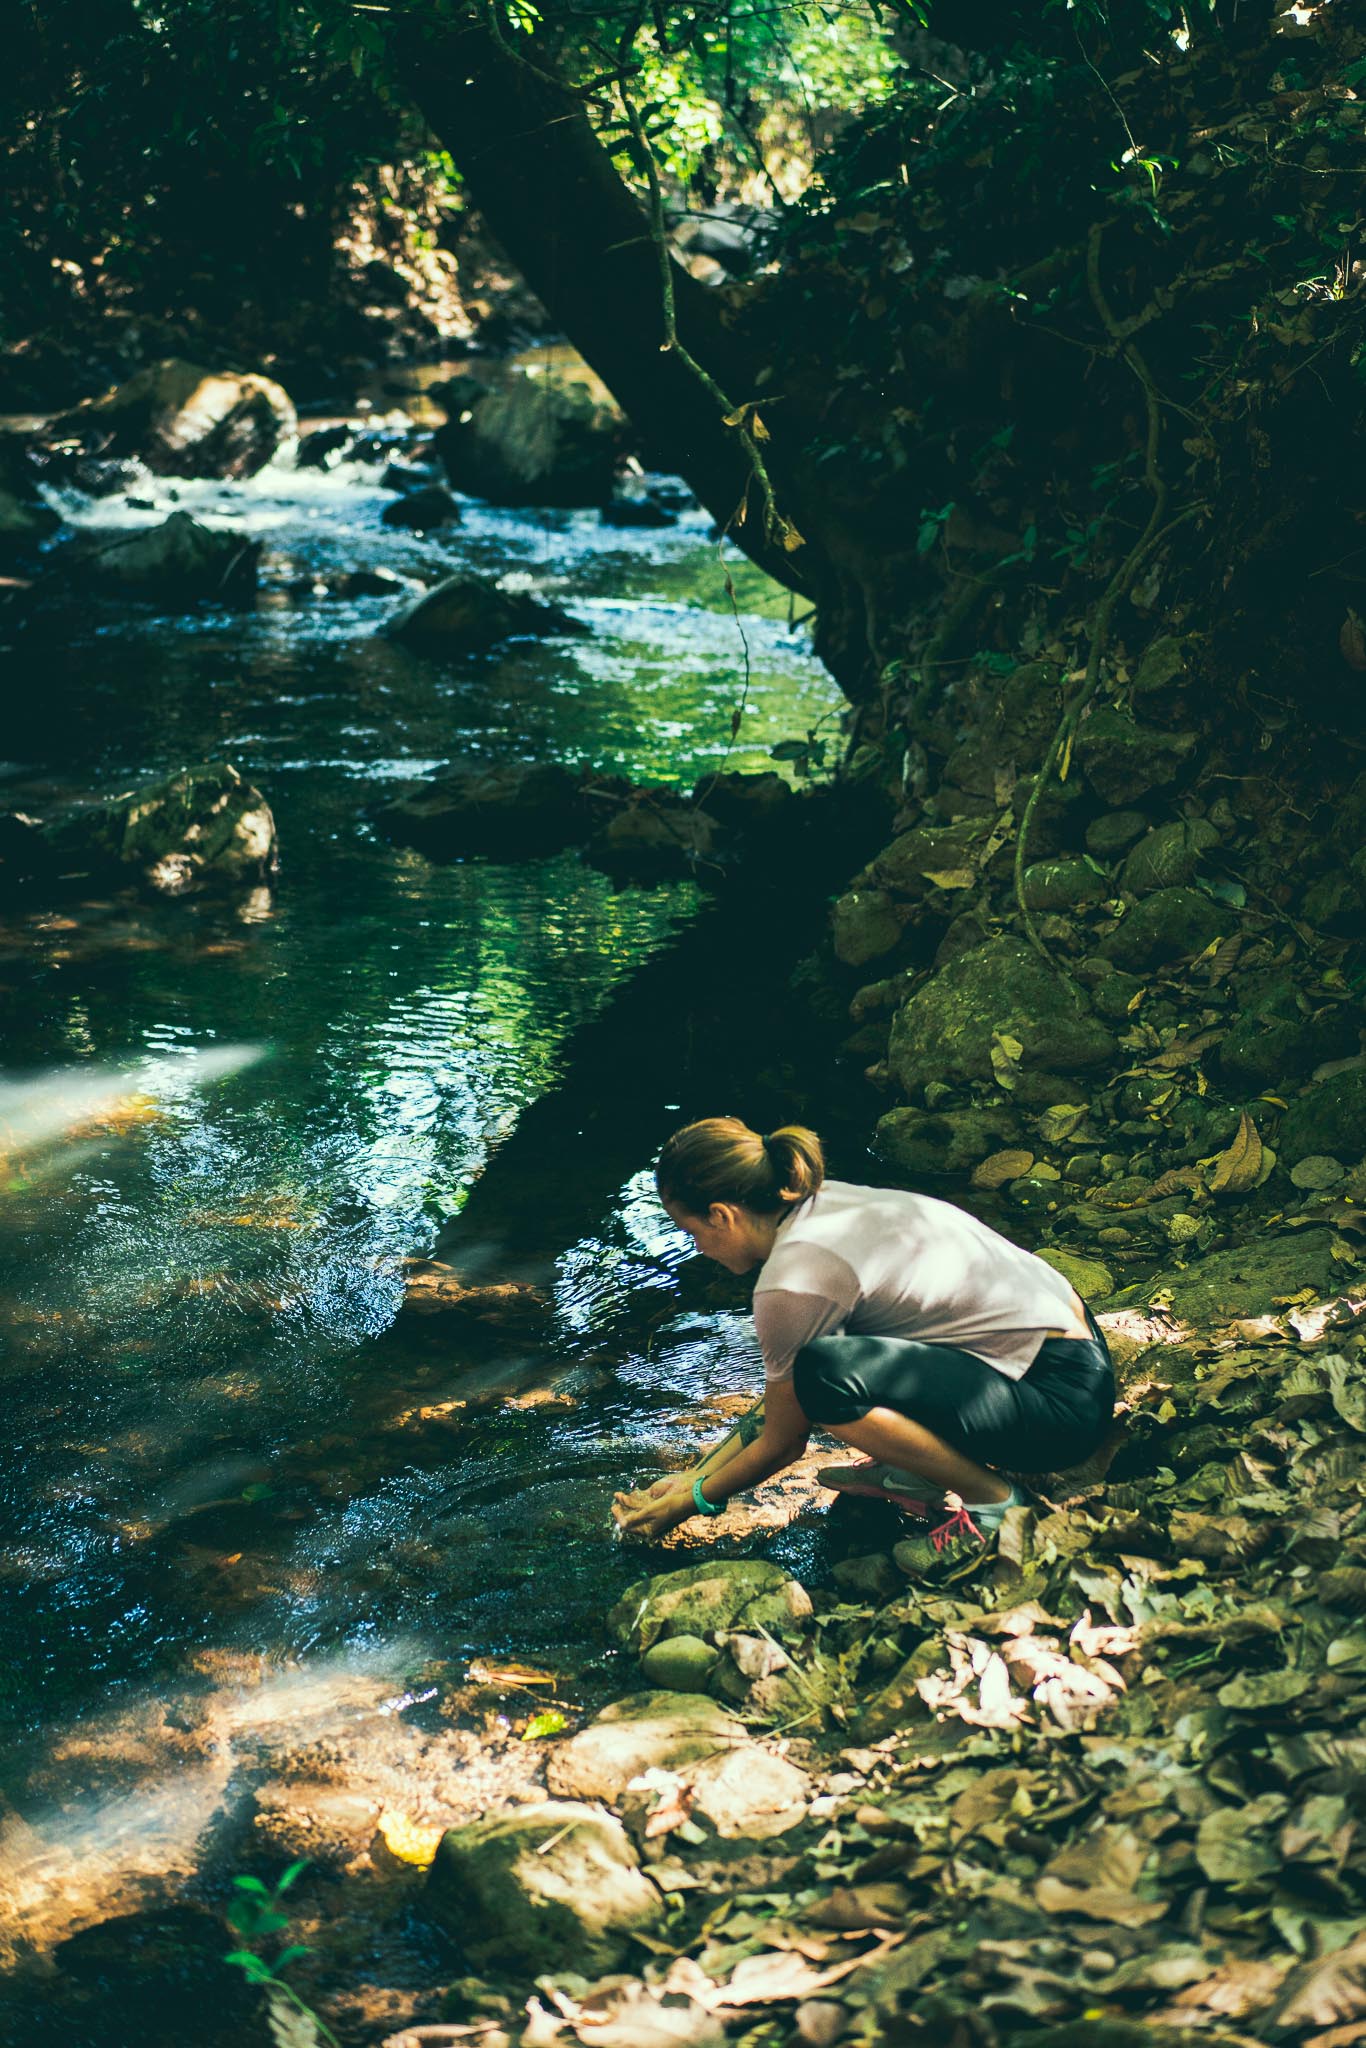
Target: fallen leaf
<point x="1001" y="1167"/>
<point x="1238" y="1169"/>
<point x="1095" y="1878"/>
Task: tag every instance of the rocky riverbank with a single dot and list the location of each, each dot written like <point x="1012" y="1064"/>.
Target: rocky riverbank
<point x="1097" y="1781"/>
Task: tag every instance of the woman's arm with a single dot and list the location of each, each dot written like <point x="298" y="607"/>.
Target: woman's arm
<point x="766" y="1440"/>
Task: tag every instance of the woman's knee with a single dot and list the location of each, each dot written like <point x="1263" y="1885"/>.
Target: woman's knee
<point x="821" y="1382"/>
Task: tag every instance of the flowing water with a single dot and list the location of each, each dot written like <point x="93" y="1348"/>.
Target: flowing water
<point x="225" y="1125"/>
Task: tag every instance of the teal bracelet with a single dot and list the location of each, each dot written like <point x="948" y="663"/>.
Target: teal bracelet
<point x="701" y="1503"/>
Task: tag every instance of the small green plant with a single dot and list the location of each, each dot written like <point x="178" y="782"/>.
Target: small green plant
<point x="257" y="1913"/>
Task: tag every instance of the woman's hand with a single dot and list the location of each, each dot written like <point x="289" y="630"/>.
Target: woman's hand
<point x="654" y="1510"/>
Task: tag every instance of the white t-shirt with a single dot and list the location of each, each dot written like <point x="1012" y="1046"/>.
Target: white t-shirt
<point x="879" y="1262"/>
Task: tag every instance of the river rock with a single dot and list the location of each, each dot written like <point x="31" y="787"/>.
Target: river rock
<point x="184" y="420"/>
<point x="548" y="1887"/>
<point x="466" y="614"/>
<point x="1063" y="884"/>
<point x="1122" y="759"/>
<point x="535" y="440"/>
<point x="1244" y="1281"/>
<point x="1091" y="1280"/>
<point x="422" y="507"/>
<point x="1328" y="1118"/>
<point x="509" y="809"/>
<point x="747" y="803"/>
<point x="911" y="862"/>
<point x="865" y="924"/>
<point x="750" y="1793"/>
<point x="178" y="562"/>
<point x="1170" y="855"/>
<point x="201" y="827"/>
<point x="1171" y="924"/>
<point x="728" y="1593"/>
<point x="680" y="1663"/>
<point x="645" y="1731"/>
<point x="919" y="1141"/>
<point x="1113" y="831"/>
<point x="1273" y="1040"/>
<point x="654" y="835"/>
<point x="945" y="1031"/>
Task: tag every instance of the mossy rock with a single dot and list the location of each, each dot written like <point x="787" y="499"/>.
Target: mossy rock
<point x="1122" y="759"/>
<point x="1171" y="924"/>
<point x="1170" y="855"/>
<point x="1091" y="1280"/>
<point x="920" y="1141"/>
<point x="548" y="1887"/>
<point x="1246" y="1280"/>
<point x="680" y="1663"/>
<point x="730" y="1593"/>
<point x="866" y="923"/>
<point x="1063" y="884"/>
<point x="907" y="865"/>
<point x="203" y="826"/>
<point x="1328" y="1118"/>
<point x="947" y="1028"/>
<point x="1113" y="832"/>
<point x="1264" y="1048"/>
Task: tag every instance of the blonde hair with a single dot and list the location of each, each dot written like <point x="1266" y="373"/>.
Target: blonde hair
<point x="721" y="1159"/>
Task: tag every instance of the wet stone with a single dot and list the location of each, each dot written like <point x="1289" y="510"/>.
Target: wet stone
<point x="548" y="1887"/>
<point x="951" y="1026"/>
<point x="645" y="1731"/>
<point x="1171" y="924"/>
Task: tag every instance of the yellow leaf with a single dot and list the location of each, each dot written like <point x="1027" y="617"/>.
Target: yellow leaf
<point x="1276" y="1101"/>
<point x="412" y="1841"/>
<point x="1239" y="1168"/>
<point x="758" y="429"/>
<point x="951" y="878"/>
<point x="792" y="540"/>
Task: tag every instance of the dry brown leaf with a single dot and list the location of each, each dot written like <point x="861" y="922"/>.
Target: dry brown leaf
<point x="1183" y="1052"/>
<point x="1173" y="1182"/>
<point x="1001" y="1167"/>
<point x="1095" y="1878"/>
<point x="782" y="1975"/>
<point x="1239" y="1168"/>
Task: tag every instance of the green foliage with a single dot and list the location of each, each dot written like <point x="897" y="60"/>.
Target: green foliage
<point x="257" y="1913"/>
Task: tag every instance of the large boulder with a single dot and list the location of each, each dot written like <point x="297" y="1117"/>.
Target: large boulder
<point x="1247" y="1280"/>
<point x="535" y="440"/>
<point x="509" y="809"/>
<point x="178" y="562"/>
<point x="646" y="1731"/>
<point x="948" y="1029"/>
<point x="548" y="1887"/>
<point x="466" y="614"/>
<point x="1329" y="1118"/>
<point x="728" y="1593"/>
<point x="203" y="827"/>
<point x="184" y="420"/>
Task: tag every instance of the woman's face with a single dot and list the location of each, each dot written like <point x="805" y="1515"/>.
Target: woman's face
<point x="727" y="1233"/>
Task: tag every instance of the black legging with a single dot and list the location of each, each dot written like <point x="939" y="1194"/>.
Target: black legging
<point x="1054" y="1417"/>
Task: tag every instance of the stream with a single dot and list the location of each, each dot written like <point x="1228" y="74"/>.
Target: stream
<point x="235" y="1484"/>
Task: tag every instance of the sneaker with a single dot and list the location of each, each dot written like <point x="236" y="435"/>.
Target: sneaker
<point x="973" y="1522"/>
<point x="914" y="1496"/>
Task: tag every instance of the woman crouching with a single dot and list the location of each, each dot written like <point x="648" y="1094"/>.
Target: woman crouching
<point x="895" y="1321"/>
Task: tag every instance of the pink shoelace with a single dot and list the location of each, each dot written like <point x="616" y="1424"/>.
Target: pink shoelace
<point x="958" y="1525"/>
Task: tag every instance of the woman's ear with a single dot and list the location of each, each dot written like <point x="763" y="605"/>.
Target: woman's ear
<point x="721" y="1215"/>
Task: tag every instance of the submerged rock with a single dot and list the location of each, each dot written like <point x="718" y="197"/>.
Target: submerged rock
<point x="510" y="809"/>
<point x="646" y="1731"/>
<point x="547" y="1887"/>
<point x="178" y="562"/>
<point x="467" y="614"/>
<point x="184" y="420"/>
<point x="948" y="1028"/>
<point x="653" y="835"/>
<point x="199" y="828"/>
<point x="542" y="440"/>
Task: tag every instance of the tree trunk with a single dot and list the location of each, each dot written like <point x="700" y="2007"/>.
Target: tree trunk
<point x="549" y="192"/>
